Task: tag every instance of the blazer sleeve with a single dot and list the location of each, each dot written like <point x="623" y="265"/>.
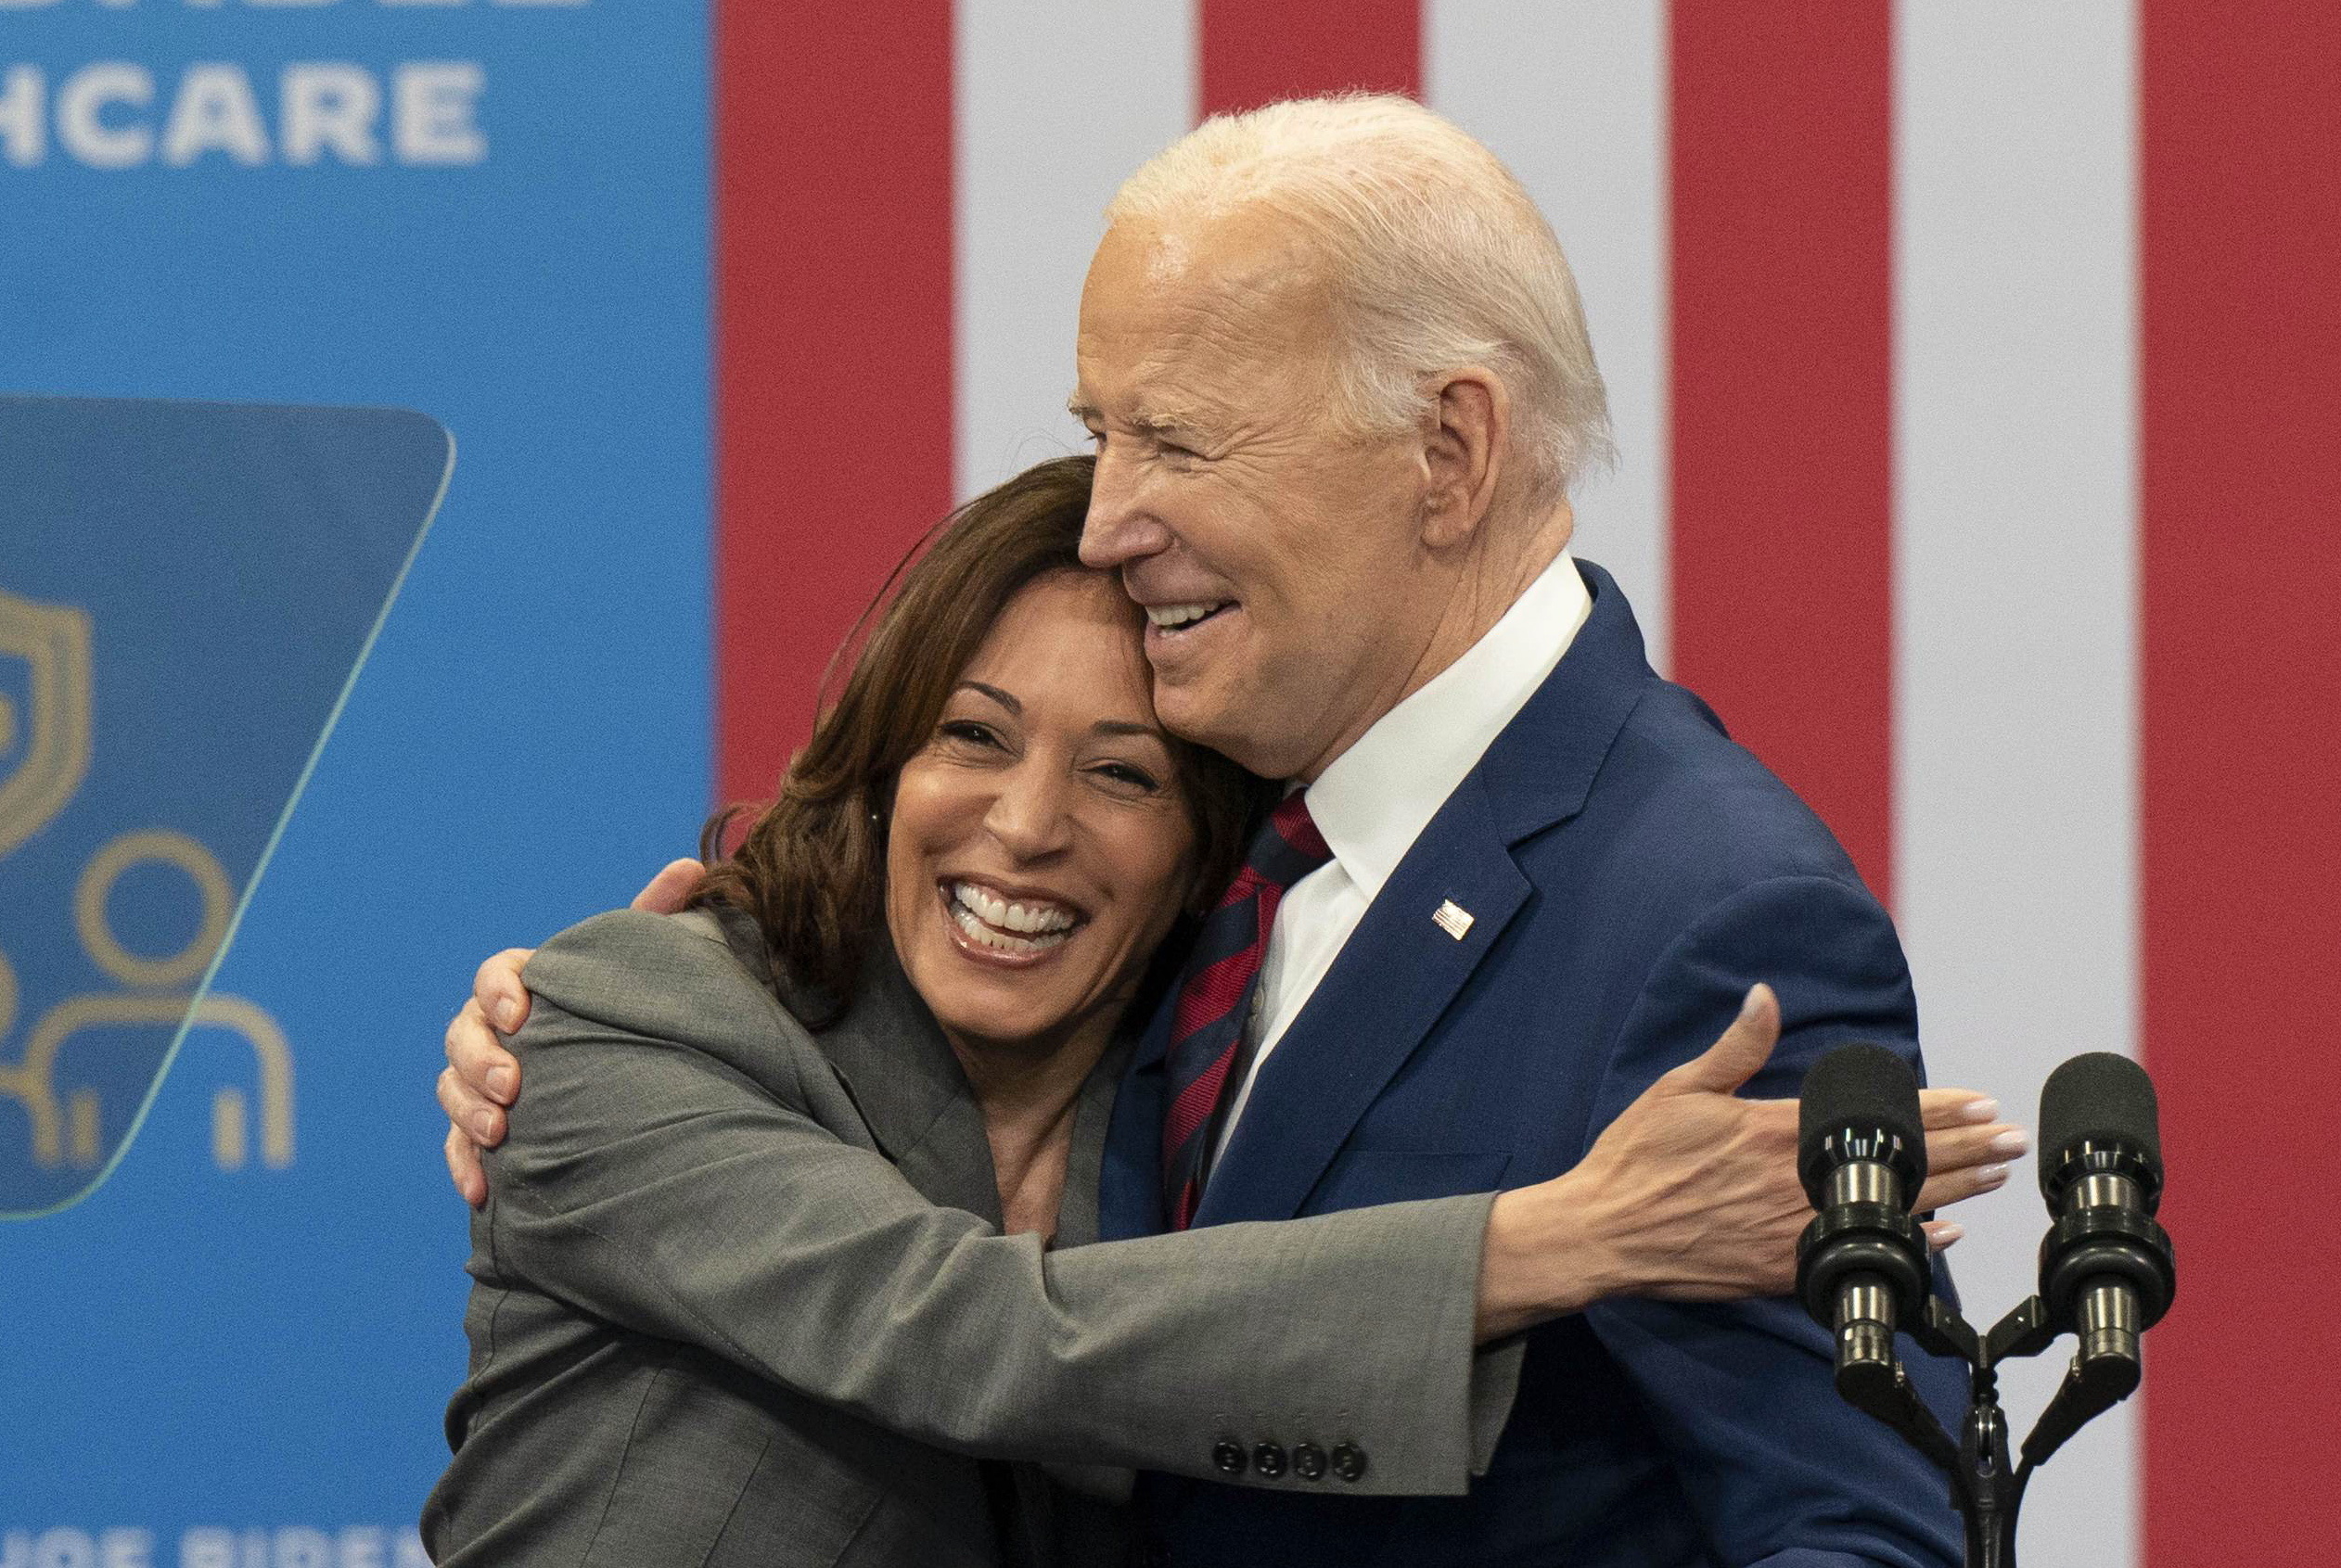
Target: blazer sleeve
<point x="648" y="1182"/>
<point x="1784" y="1472"/>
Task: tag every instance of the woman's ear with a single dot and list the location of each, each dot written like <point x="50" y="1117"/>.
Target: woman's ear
<point x="878" y="809"/>
<point x="1200" y="899"/>
<point x="1200" y="894"/>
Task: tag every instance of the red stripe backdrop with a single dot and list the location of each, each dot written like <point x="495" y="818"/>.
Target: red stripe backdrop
<point x="2241" y="403"/>
<point x="1782" y="426"/>
<point x="1254" y="54"/>
<point x="833" y="344"/>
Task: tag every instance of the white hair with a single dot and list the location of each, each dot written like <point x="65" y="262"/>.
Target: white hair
<point x="1437" y="258"/>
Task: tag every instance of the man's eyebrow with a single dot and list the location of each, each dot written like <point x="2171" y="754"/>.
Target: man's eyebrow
<point x="1153" y="421"/>
<point x="995" y="693"/>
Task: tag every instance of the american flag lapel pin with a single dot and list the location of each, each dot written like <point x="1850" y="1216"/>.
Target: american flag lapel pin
<point x="1451" y="918"/>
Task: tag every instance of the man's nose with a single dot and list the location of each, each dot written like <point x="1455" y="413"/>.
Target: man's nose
<point x="1030" y="816"/>
<point x="1119" y="528"/>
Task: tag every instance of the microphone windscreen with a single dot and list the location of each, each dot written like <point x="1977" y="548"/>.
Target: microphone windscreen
<point x="2099" y="1099"/>
<point x="1868" y="1089"/>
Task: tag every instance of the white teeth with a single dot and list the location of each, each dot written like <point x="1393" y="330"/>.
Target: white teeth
<point x="1170" y="616"/>
<point x="984" y="936"/>
<point x="1014" y="927"/>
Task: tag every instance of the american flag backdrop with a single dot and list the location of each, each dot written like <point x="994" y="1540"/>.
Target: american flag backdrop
<point x="1977" y="369"/>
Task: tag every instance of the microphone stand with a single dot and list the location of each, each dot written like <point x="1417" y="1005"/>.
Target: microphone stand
<point x="2108" y="1270"/>
<point x="1985" y="1485"/>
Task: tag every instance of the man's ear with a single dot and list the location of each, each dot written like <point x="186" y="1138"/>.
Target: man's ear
<point x="1469" y="423"/>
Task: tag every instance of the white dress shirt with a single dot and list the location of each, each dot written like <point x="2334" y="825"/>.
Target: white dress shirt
<point x="1374" y="800"/>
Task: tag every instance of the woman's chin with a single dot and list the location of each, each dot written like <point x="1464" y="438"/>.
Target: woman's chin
<point x="979" y="992"/>
<point x="1003" y="993"/>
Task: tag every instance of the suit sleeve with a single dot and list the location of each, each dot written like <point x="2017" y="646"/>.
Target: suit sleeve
<point x="648" y="1182"/>
<point x="1784" y="1472"/>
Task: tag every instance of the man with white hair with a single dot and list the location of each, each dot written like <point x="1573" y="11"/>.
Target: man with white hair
<point x="1339" y="382"/>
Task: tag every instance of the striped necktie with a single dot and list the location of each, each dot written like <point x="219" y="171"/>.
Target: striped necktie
<point x="1215" y="993"/>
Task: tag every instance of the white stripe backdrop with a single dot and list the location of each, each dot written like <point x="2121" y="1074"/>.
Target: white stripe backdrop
<point x="1058" y="101"/>
<point x="2015" y="686"/>
<point x="1572" y="96"/>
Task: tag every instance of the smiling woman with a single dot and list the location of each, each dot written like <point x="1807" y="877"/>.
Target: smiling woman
<point x="1039" y="851"/>
<point x="991" y="797"/>
<point x="1002" y="664"/>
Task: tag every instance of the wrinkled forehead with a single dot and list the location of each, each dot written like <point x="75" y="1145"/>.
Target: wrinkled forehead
<point x="1204" y="318"/>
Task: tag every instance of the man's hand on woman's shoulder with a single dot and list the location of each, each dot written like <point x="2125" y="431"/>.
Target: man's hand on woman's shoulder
<point x="481" y="1078"/>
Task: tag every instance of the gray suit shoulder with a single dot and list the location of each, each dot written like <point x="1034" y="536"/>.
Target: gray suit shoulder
<point x="664" y="977"/>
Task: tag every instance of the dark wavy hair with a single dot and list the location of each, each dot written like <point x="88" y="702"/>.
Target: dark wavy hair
<point x="811" y="870"/>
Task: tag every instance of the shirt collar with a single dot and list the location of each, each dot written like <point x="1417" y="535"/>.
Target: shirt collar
<point x="1373" y="800"/>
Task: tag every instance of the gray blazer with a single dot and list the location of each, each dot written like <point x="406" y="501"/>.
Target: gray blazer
<point x="741" y="1297"/>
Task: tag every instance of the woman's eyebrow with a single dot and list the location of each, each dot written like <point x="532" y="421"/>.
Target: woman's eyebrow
<point x="1103" y="727"/>
<point x="995" y="693"/>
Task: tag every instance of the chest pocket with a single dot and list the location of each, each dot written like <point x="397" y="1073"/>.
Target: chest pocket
<point x="1361" y="1176"/>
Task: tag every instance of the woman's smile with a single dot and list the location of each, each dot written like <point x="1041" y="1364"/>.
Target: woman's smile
<point x="1040" y="844"/>
<point x="992" y="927"/>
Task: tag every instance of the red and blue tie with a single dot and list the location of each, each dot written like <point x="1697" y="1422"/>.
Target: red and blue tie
<point x="1215" y="994"/>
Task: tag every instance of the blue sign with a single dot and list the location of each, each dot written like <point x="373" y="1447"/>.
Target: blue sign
<point x="186" y="591"/>
<point x="235" y="1351"/>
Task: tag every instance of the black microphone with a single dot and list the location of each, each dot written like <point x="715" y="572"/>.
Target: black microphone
<point x="1861" y="1264"/>
<point x="2106" y="1268"/>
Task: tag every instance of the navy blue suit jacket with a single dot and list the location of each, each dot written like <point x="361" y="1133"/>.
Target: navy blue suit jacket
<point x="1631" y="872"/>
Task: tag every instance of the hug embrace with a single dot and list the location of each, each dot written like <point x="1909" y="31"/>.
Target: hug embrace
<point x="1253" y="982"/>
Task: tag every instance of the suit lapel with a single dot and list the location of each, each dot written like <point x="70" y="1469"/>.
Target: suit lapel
<point x="1078" y="1219"/>
<point x="1400" y="969"/>
<point x="1130" y="1184"/>
<point x="911" y="1091"/>
<point x="1358" y="1028"/>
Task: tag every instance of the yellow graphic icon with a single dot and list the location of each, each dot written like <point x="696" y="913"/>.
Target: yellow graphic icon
<point x="70" y="1130"/>
<point x="53" y="640"/>
<point x="51" y="746"/>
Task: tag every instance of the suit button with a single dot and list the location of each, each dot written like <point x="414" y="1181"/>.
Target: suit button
<point x="1309" y="1462"/>
<point x="1268" y="1459"/>
<point x="1349" y="1462"/>
<point x="1228" y="1458"/>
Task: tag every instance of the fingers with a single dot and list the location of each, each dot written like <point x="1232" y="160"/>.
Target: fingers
<point x="670" y="887"/>
<point x="1941" y="1234"/>
<point x="481" y="1078"/>
<point x="1964" y="1147"/>
<point x="1950" y="1186"/>
<point x="463" y="1169"/>
<point x="477" y="1067"/>
<point x="480" y="1120"/>
<point x="1964" y="1160"/>
<point x="496" y="987"/>
<point x="1956" y="1107"/>
<point x="478" y="1058"/>
<point x="1738" y="1054"/>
